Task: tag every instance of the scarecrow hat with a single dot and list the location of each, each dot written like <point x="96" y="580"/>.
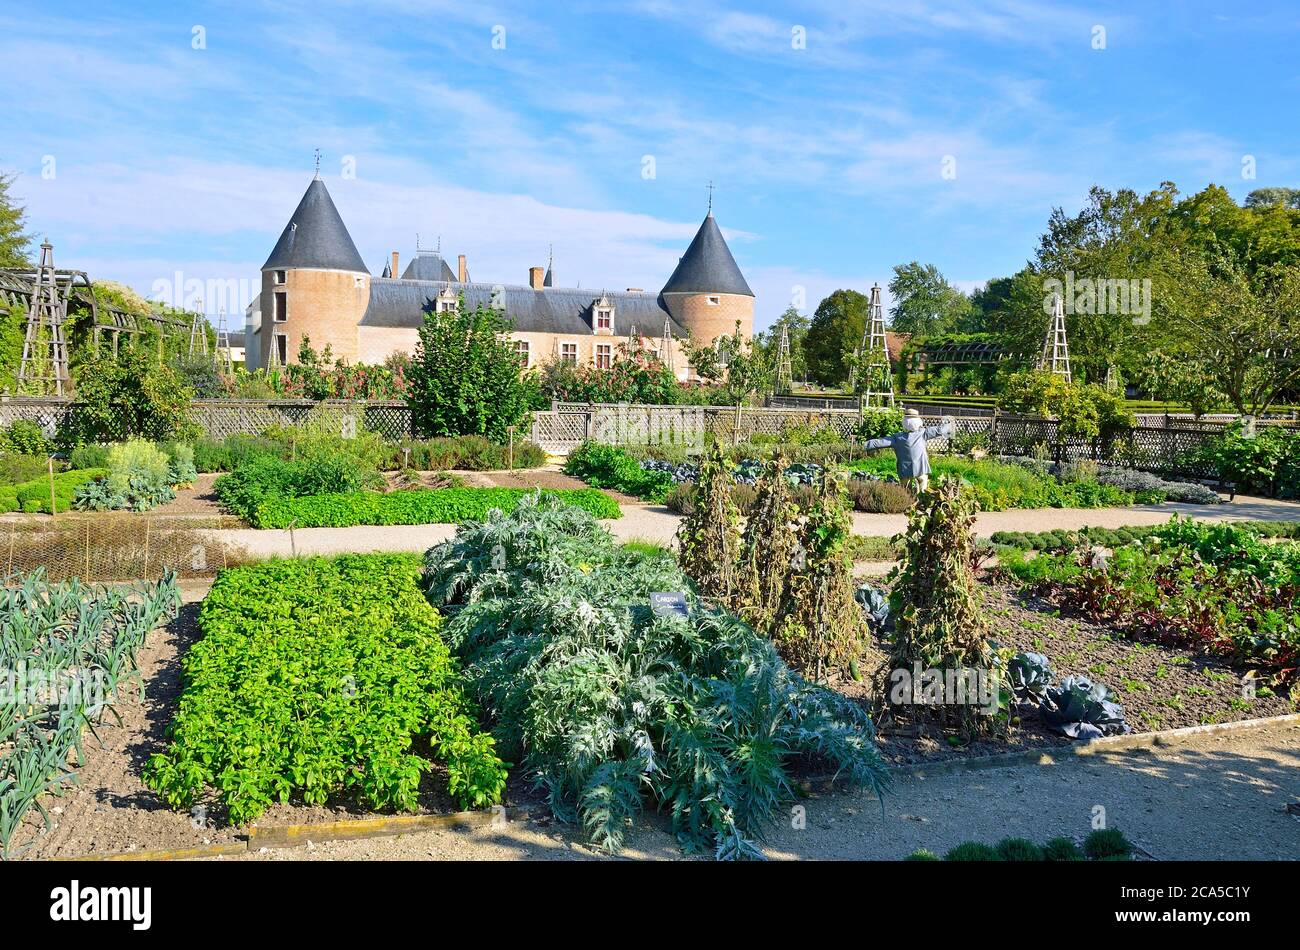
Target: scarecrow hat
<point x="912" y="414"/>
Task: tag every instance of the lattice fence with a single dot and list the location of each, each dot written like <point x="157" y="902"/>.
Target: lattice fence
<point x="220" y="418"/>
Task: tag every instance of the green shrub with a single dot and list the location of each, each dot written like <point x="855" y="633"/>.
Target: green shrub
<point x="612" y="707"/>
<point x="972" y="851"/>
<point x="1062" y="849"/>
<point x="91" y="455"/>
<point x="1018" y="849"/>
<point x="471" y="452"/>
<point x="419" y="506"/>
<point x="265" y="478"/>
<point x="878" y="423"/>
<point x="25" y="437"/>
<point x="34" y="496"/>
<point x="315" y="677"/>
<point x="605" y="466"/>
<point x="16" y="469"/>
<point x="1107" y="843"/>
<point x="921" y="854"/>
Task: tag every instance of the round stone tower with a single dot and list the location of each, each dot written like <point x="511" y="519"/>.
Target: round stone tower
<point x="707" y="293"/>
<point x="314" y="284"/>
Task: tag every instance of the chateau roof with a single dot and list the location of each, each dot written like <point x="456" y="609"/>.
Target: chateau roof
<point x="403" y="303"/>
<point x="428" y="265"/>
<point x="707" y="267"/>
<point x="315" y="237"/>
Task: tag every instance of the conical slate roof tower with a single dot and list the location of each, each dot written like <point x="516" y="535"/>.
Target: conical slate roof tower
<point x="315" y="237"/>
<point x="707" y="293"/>
<point x="707" y="266"/>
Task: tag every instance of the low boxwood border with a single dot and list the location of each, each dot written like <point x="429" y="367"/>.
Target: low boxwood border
<point x="420" y="506"/>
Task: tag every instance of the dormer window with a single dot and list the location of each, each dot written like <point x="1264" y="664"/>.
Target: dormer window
<point x="447" y="301"/>
<point x="602" y="315"/>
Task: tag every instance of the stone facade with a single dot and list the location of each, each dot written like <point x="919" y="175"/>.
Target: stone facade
<point x="322" y="305"/>
<point x="315" y="286"/>
<point x="709" y="316"/>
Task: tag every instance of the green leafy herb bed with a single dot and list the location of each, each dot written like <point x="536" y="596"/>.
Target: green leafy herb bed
<point x="66" y="652"/>
<point x="421" y="506"/>
<point x="316" y="677"/>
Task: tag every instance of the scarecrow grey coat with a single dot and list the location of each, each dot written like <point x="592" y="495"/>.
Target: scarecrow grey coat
<point x="909" y="447"/>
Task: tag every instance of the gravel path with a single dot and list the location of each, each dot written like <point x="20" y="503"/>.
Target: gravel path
<point x="658" y="524"/>
<point x="1218" y="797"/>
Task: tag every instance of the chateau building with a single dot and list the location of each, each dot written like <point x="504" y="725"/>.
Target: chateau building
<point x="316" y="285"/>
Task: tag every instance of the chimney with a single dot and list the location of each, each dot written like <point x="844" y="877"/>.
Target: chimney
<point x="460" y="268"/>
<point x="535" y="277"/>
<point x="393" y="271"/>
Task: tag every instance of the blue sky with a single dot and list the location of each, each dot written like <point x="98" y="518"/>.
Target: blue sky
<point x="142" y="156"/>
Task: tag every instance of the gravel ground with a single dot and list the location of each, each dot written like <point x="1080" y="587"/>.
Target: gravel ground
<point x="1215" y="798"/>
<point x="656" y="523"/>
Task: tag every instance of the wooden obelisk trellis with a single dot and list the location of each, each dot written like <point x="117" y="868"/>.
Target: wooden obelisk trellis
<point x="1055" y="357"/>
<point x="784" y="364"/>
<point x="225" y="360"/>
<point x="666" y="346"/>
<point x="44" y="365"/>
<point x="199" y="333"/>
<point x="873" y="356"/>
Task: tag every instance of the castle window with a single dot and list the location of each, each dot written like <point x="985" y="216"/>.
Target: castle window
<point x="447" y="301"/>
<point x="714" y="301"/>
<point x="281" y="311"/>
<point x="604" y="318"/>
<point x="279" y="277"/>
<point x="604" y="356"/>
<point x="569" y="353"/>
<point x="521" y="351"/>
<point x="282" y="348"/>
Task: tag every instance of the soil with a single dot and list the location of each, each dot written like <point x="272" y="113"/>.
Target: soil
<point x="1159" y="686"/>
<point x="198" y="499"/>
<point x="109" y="809"/>
<point x="1215" y="797"/>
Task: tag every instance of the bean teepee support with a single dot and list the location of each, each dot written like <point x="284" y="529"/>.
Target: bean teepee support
<point x="225" y="361"/>
<point x="199" y="333"/>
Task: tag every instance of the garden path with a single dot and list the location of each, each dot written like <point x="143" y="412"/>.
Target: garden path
<point x="658" y="524"/>
<point x="1217" y="797"/>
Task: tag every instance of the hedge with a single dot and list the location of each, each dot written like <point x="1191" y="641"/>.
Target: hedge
<point x="421" y="506"/>
<point x="34" y="496"/>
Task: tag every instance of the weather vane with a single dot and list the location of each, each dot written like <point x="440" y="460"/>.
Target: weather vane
<point x="710" y="196"/>
<point x="317" y="163"/>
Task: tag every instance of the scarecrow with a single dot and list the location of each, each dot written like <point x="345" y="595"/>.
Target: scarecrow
<point x="909" y="448"/>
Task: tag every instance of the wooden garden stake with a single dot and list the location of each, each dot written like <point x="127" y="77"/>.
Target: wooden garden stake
<point x="87" y="576"/>
<point x="147" y="525"/>
<point x="13" y="539"/>
<point x="510" y="456"/>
